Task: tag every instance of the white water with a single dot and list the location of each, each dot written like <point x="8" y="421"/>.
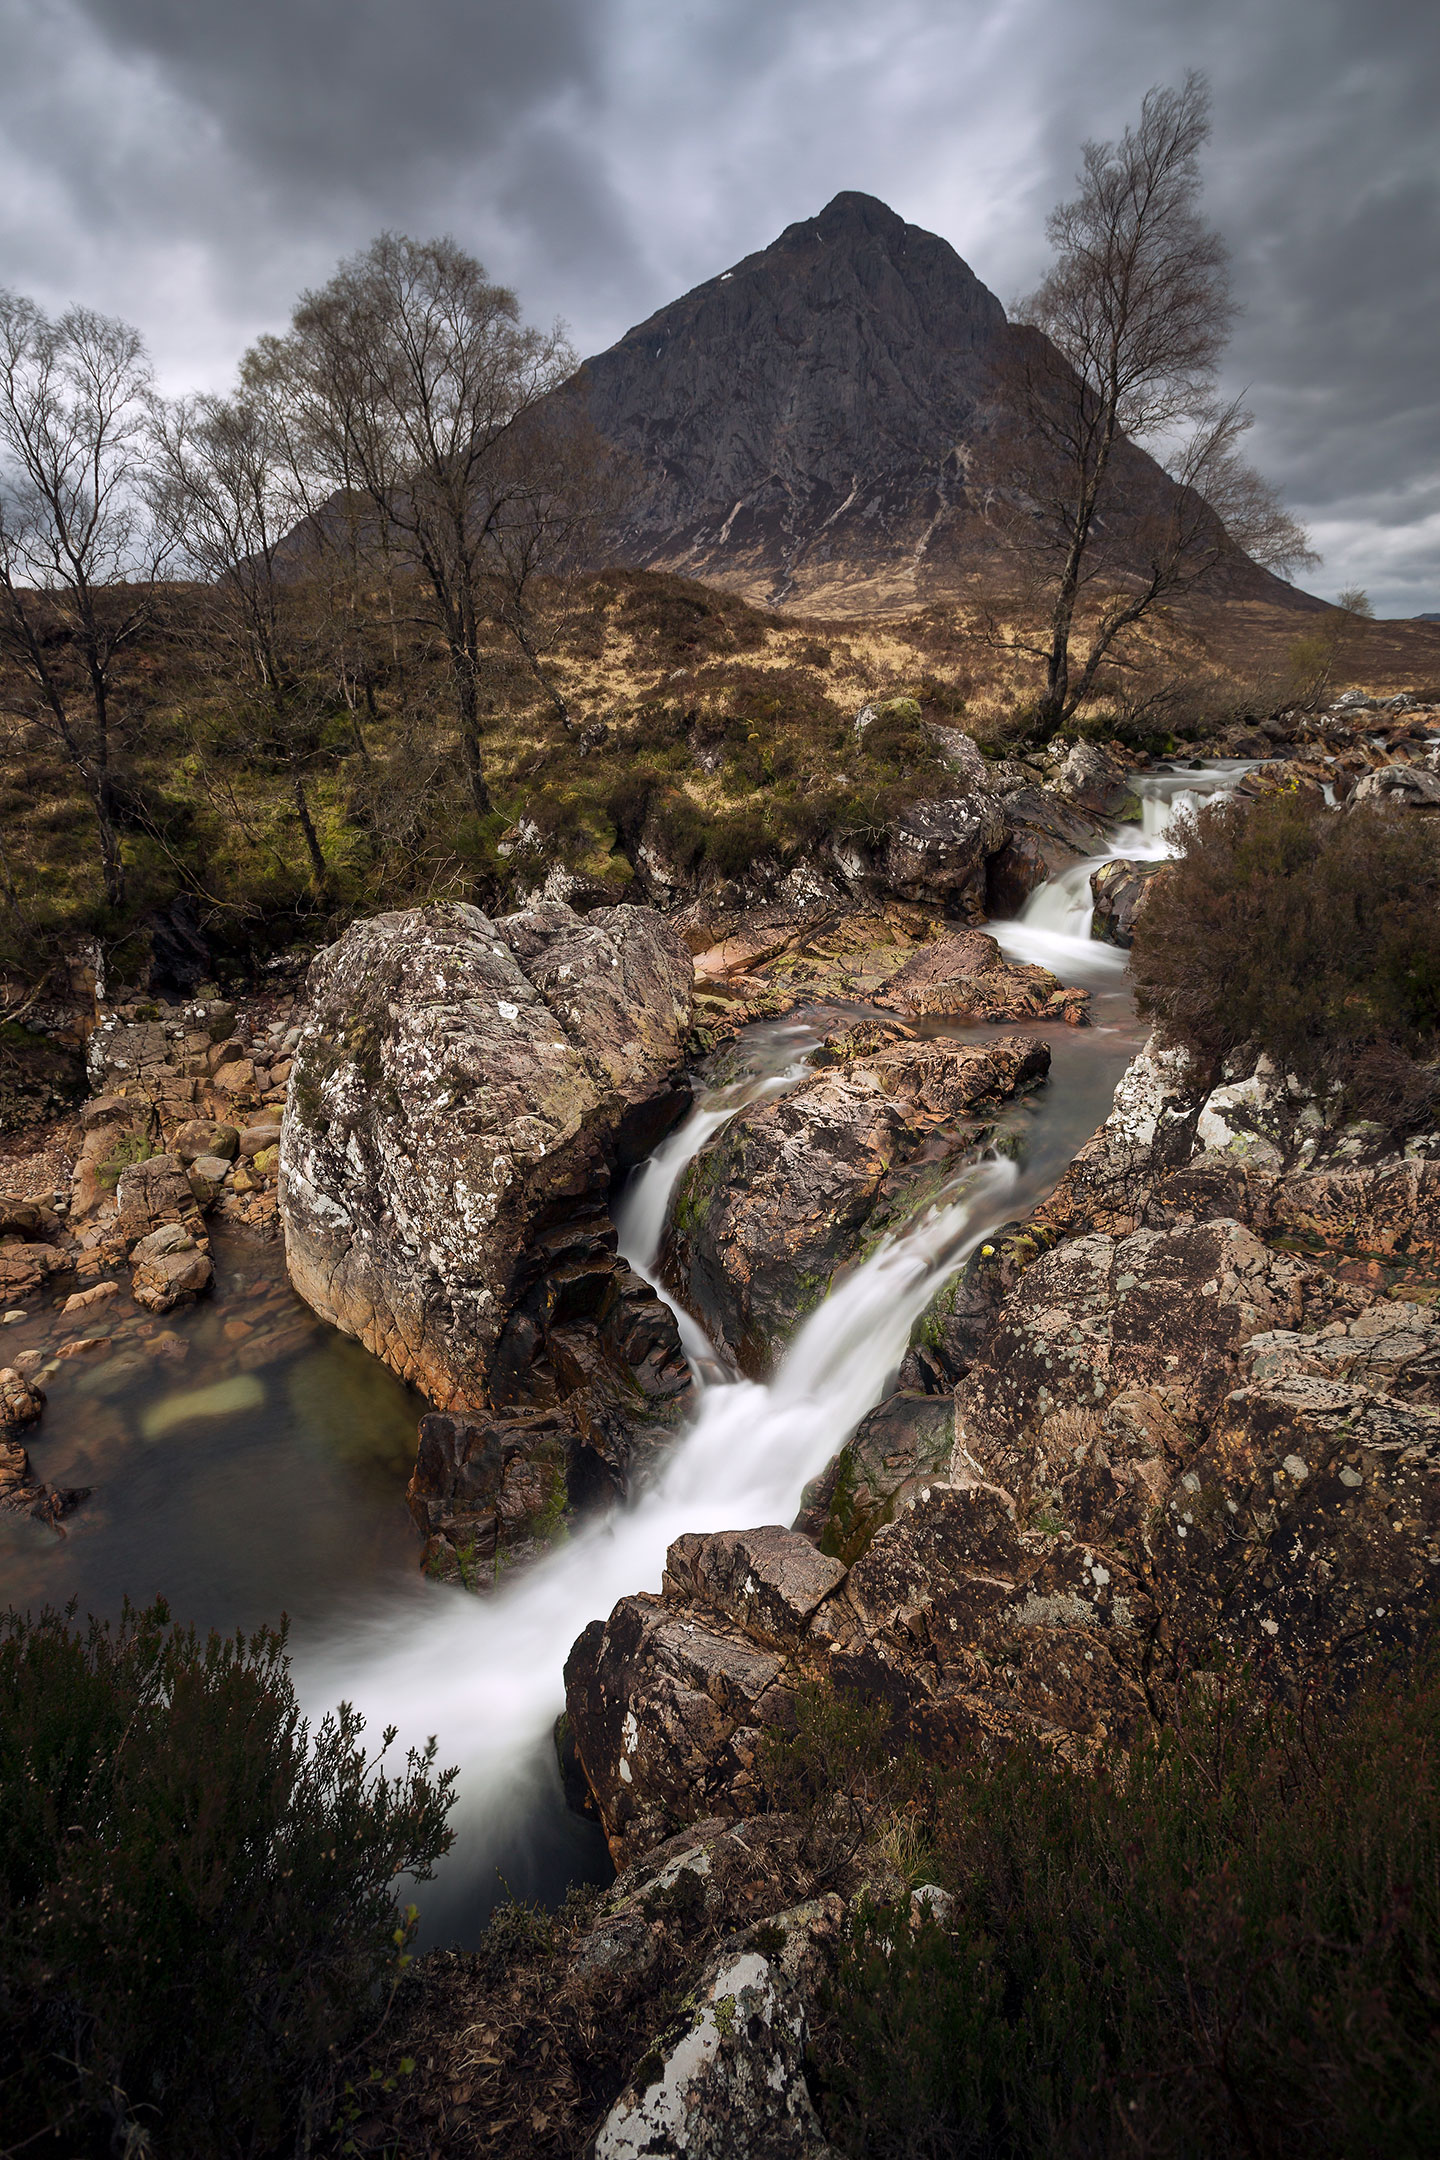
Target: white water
<point x="1054" y="926"/>
<point x="486" y="1676"/>
<point x="778" y="1064"/>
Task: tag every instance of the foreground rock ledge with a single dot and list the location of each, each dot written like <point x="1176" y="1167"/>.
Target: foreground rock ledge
<point x="459" y="1085"/>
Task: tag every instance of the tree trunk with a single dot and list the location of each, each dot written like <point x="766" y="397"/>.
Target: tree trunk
<point x="468" y="707"/>
<point x="318" y="866"/>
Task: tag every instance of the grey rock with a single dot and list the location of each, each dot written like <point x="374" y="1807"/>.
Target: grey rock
<point x="443" y="1113"/>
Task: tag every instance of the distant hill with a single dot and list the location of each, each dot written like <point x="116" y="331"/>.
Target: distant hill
<point x="803" y="425"/>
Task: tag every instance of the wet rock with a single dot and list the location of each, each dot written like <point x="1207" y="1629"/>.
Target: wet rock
<point x="1046" y="834"/>
<point x="788" y="1191"/>
<point x="968" y="978"/>
<point x="483" y="1484"/>
<point x="1119" y="889"/>
<point x="906" y="1442"/>
<point x="26" y="1268"/>
<point x="170" y="1268"/>
<point x="22" y="1493"/>
<point x="442" y="1112"/>
<point x="21" y="1402"/>
<point x="97" y="1294"/>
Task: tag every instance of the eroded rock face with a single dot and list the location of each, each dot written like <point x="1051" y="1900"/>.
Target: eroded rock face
<point x="1100" y="1316"/>
<point x="968" y="978"/>
<point x="1045" y="833"/>
<point x="459" y="1086"/>
<point x="788" y="1191"/>
<point x="1264" y="1149"/>
<point x="1175" y="1446"/>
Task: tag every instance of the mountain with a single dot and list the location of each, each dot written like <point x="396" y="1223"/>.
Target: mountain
<point x="800" y="428"/>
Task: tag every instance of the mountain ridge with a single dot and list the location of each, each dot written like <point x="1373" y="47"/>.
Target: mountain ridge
<point x="802" y="426"/>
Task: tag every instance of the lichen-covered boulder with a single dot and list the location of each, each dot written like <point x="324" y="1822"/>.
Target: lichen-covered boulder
<point x="460" y="1084"/>
<point x="728" y="2081"/>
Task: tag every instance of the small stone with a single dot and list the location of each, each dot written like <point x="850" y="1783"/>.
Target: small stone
<point x="84" y="1346"/>
<point x="96" y="1295"/>
<point x="9" y="1319"/>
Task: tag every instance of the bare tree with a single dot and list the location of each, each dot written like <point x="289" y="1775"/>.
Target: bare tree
<point x="1133" y="317"/>
<point x="411" y="380"/>
<point x="224" y="492"/>
<point x="78" y="553"/>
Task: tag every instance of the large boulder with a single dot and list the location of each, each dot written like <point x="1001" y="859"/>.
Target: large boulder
<point x="936" y="852"/>
<point x="790" y="1190"/>
<point x="460" y="1087"/>
<point x="1120" y="889"/>
<point x="967" y="978"/>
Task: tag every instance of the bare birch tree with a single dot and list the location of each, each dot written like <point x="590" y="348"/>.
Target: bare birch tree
<point x="411" y="381"/>
<point x="1134" y="316"/>
<point x="78" y="551"/>
<point x="222" y="489"/>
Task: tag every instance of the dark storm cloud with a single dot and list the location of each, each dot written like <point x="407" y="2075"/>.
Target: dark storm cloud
<point x="191" y="163"/>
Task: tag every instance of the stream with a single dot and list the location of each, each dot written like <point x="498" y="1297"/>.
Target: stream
<point x="241" y="1486"/>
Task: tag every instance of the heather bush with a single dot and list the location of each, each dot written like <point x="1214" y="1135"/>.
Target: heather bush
<point x="197" y="1894"/>
<point x="1310" y="934"/>
<point x="1227" y="1943"/>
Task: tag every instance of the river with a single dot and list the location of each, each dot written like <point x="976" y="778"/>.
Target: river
<point x="242" y="1488"/>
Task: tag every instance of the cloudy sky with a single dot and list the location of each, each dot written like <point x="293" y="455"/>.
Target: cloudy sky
<point x="191" y="164"/>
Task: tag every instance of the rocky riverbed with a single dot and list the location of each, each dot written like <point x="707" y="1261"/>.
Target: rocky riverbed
<point x="1003" y="1439"/>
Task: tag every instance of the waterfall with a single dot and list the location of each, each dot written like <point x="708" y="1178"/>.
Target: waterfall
<point x="484" y="1675"/>
<point x="1054" y="926"/>
<point x="777" y="1059"/>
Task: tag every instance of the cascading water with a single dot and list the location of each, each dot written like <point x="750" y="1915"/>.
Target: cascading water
<point x="486" y="1675"/>
<point x="1054" y="925"/>
<point x="777" y="1061"/>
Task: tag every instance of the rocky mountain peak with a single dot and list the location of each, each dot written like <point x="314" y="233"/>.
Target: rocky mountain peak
<point x="803" y="424"/>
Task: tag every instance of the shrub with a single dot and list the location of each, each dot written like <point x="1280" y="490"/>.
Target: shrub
<point x="197" y="1903"/>
<point x="1312" y="936"/>
<point x="1227" y="1944"/>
